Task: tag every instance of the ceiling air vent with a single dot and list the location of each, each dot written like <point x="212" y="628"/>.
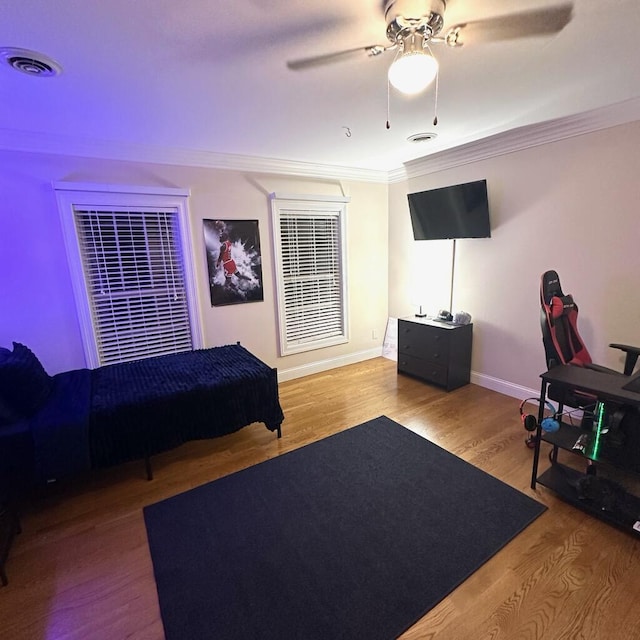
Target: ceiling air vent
<point x="30" y="62"/>
<point x="422" y="137"/>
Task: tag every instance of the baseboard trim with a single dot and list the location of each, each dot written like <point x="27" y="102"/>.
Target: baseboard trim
<point x="327" y="365"/>
<point x="481" y="379"/>
<point x="503" y="386"/>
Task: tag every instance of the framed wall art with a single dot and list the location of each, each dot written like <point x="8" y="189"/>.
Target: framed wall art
<point x="234" y="261"/>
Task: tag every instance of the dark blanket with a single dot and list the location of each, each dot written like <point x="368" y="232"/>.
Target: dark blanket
<point x="60" y="429"/>
<point x="129" y="411"/>
<point x="145" y="407"/>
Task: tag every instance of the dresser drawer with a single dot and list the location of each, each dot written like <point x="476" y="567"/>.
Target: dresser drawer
<point x="432" y="344"/>
<point x="426" y="370"/>
<point x="435" y="352"/>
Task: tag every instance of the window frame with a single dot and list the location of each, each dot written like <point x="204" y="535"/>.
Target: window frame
<point x="83" y="196"/>
<point x="310" y="206"/>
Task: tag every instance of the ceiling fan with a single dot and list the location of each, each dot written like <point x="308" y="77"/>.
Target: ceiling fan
<point x="412" y="25"/>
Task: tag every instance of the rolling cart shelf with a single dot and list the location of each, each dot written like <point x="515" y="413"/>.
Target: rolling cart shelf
<point x="568" y="435"/>
<point x="565" y="437"/>
<point x="562" y="480"/>
<point x="600" y="497"/>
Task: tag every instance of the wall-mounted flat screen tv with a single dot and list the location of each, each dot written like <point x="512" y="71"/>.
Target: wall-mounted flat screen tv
<point x="457" y="211"/>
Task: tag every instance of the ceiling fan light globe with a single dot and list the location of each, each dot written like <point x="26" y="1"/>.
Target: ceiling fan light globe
<point x="413" y="72"/>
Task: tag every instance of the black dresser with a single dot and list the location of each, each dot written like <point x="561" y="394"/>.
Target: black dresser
<point x="436" y="352"/>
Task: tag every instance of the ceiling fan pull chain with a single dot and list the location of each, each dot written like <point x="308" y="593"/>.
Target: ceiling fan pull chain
<point x="388" y="104"/>
<point x="435" y="102"/>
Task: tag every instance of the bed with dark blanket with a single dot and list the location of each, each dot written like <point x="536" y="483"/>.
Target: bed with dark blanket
<point x="95" y="418"/>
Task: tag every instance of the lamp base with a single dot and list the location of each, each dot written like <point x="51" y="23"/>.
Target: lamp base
<point x="420" y="314"/>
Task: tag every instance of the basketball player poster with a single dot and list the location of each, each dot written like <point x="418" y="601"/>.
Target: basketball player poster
<point x="234" y="261"/>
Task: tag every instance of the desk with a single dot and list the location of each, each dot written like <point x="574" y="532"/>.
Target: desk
<point x="598" y="383"/>
<point x="622" y="508"/>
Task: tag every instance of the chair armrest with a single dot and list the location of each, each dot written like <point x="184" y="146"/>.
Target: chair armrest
<point x="632" y="356"/>
<point x="598" y="367"/>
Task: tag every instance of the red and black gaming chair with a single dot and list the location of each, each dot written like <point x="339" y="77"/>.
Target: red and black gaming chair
<point x="562" y="341"/>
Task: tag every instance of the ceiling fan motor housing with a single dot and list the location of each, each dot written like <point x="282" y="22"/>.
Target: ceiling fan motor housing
<point x="424" y="16"/>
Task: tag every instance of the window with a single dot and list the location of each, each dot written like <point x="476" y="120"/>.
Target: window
<point x="130" y="263"/>
<point x="310" y="246"/>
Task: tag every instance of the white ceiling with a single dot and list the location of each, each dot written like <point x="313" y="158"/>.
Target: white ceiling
<point x="206" y="76"/>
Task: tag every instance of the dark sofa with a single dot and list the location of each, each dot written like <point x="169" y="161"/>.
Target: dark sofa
<point x="57" y="426"/>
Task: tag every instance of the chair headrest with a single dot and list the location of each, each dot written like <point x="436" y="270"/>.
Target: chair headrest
<point x="550" y="286"/>
<point x="562" y="306"/>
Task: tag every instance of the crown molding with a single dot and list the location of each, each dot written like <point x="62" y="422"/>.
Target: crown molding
<point x="521" y="138"/>
<point x="517" y="139"/>
<point x="34" y="142"/>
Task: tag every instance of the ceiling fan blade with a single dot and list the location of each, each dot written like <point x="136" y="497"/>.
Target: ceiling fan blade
<point x="536" y="22"/>
<point x="327" y="58"/>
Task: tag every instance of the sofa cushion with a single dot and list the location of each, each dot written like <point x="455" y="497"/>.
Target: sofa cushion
<point x="24" y="384"/>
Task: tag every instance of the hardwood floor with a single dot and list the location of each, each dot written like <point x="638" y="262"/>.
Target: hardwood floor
<point x="81" y="568"/>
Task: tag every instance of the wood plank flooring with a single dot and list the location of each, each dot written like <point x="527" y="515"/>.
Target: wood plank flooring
<point x="81" y="568"/>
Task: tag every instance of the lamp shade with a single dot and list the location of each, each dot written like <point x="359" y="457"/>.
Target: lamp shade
<point x="413" y="72"/>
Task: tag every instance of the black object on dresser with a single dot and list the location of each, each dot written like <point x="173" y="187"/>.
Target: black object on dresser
<point x="434" y="351"/>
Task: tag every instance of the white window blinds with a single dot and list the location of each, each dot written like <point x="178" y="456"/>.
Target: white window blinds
<point x="132" y="264"/>
<point x="131" y="268"/>
<point x="311" y="273"/>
